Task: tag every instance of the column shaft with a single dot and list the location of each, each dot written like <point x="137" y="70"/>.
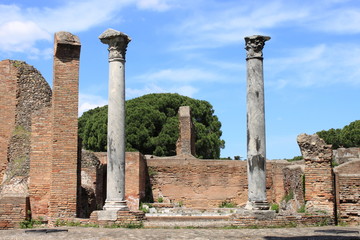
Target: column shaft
<point x="256" y="143"/>
<point x="115" y="191"/>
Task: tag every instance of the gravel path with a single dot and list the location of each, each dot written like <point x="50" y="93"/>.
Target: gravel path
<point x="313" y="233"/>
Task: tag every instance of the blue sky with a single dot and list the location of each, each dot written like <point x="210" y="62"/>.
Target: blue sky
<point x="196" y="48"/>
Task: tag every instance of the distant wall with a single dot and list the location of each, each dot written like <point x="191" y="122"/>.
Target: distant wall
<point x="208" y="183"/>
<point x="343" y="155"/>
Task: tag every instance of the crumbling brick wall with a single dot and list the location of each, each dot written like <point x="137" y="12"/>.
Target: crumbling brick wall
<point x="23" y="91"/>
<point x="319" y="180"/>
<point x="347" y="182"/>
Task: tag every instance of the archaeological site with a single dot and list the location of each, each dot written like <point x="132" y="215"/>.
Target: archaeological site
<point x="46" y="175"/>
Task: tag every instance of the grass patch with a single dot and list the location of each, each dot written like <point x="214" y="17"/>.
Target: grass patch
<point x="30" y="223"/>
<point x="227" y="204"/>
<point x="275" y="207"/>
<point x="302" y="209"/>
<point x="126" y="225"/>
<point x="288" y="196"/>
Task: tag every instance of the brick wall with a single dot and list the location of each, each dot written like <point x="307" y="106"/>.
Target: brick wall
<point x="347" y="182"/>
<point x="8" y="89"/>
<point x="208" y="183"/>
<point x="13" y="210"/>
<point x="65" y="164"/>
<point x="40" y="162"/>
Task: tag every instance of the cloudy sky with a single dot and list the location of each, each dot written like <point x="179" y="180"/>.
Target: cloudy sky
<point x="196" y="48"/>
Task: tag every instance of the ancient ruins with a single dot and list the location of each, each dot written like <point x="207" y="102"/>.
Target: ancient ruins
<point x="47" y="176"/>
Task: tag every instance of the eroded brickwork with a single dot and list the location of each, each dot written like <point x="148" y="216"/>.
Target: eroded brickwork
<point x="23" y="91"/>
<point x="8" y="85"/>
<point x="64" y="173"/>
<point x="347" y="178"/>
<point x="319" y="180"/>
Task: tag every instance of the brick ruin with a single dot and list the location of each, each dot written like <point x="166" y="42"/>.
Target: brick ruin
<point x="45" y="174"/>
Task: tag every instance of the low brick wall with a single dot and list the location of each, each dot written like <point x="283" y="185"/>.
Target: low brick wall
<point x="13" y="210"/>
<point x="285" y="221"/>
<point x="123" y="218"/>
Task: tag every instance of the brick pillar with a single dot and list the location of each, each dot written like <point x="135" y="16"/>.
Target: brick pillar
<point x="135" y="179"/>
<point x="64" y="175"/>
<point x="185" y="144"/>
<point x="8" y="90"/>
<point x="319" y="179"/>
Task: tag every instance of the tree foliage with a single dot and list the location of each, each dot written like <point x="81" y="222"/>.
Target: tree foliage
<point x="152" y="126"/>
<point x="349" y="136"/>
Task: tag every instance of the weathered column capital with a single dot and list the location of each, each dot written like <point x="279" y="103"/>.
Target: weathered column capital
<point x="117" y="42"/>
<point x="254" y="46"/>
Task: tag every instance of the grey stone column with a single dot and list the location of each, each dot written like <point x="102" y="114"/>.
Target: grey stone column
<point x="256" y="147"/>
<point x="115" y="191"/>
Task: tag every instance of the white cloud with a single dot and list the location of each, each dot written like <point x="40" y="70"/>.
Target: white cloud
<point x="185" y="90"/>
<point x="157" y="5"/>
<point x="22" y="28"/>
<point x="317" y="66"/>
<point x="87" y="102"/>
<point x="180" y="75"/>
<point x="226" y="25"/>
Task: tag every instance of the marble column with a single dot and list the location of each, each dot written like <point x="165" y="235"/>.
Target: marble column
<point x="256" y="147"/>
<point x="115" y="191"/>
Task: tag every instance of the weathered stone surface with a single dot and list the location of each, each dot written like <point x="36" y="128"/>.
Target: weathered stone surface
<point x="319" y="189"/>
<point x="256" y="145"/>
<point x="115" y="194"/>
<point x="343" y="155"/>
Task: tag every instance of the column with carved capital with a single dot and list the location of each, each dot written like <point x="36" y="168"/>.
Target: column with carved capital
<point x="256" y="148"/>
<point x="115" y="190"/>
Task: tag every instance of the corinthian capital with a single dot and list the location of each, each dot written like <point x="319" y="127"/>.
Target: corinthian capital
<point x="117" y="42"/>
<point x="254" y="46"/>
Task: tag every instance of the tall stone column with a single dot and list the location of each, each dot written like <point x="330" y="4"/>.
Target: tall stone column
<point x="115" y="191"/>
<point x="256" y="148"/>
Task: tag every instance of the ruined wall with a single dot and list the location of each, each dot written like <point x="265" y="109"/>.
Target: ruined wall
<point x="343" y="155"/>
<point x="93" y="178"/>
<point x="319" y="180"/>
<point x="23" y="91"/>
<point x="208" y="183"/>
<point x="347" y="182"/>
